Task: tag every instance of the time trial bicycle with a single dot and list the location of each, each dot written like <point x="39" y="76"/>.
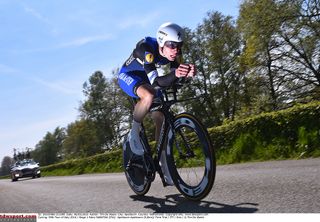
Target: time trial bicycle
<point x="187" y="149"/>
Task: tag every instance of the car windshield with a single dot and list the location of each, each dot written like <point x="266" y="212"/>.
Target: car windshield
<point x="26" y="162"/>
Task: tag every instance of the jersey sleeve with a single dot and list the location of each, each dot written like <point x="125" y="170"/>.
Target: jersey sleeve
<point x="145" y="54"/>
<point x="168" y="79"/>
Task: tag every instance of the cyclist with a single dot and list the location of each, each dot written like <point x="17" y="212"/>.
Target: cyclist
<point x="138" y="77"/>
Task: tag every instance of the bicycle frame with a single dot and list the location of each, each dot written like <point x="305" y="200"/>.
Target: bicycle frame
<point x="164" y="108"/>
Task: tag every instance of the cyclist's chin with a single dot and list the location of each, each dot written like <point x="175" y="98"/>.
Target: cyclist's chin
<point x="171" y="57"/>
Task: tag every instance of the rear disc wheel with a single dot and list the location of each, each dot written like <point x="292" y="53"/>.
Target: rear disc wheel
<point x="136" y="177"/>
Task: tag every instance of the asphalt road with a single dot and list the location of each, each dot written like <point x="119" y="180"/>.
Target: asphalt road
<point x="291" y="186"/>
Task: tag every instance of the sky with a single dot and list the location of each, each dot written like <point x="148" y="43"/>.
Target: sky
<point x="48" y="49"/>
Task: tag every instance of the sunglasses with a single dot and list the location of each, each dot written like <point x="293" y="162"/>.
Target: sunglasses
<point x="173" y="45"/>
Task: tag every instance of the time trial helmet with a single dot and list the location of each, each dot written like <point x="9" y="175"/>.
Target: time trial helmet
<point x="169" y="32"/>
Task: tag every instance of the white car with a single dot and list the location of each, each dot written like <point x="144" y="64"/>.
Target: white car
<point x="25" y="168"/>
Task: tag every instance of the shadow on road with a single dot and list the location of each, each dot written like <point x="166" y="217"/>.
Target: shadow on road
<point x="178" y="204"/>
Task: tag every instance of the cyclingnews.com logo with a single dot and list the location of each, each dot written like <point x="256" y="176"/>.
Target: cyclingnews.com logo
<point x="18" y="217"/>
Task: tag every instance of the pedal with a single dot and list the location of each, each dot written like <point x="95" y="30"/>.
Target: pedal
<point x="132" y="164"/>
<point x="128" y="166"/>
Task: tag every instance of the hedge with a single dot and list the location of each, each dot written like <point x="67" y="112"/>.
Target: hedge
<point x="290" y="133"/>
<point x="102" y="163"/>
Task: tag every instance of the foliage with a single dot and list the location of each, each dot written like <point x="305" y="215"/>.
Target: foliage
<point x="82" y="140"/>
<point x="281" y="49"/>
<point x="97" y="108"/>
<point x="277" y="135"/>
<point x="48" y="150"/>
<point x="214" y="48"/>
<point x="5" y="165"/>
<point x="110" y="161"/>
<point x="106" y="107"/>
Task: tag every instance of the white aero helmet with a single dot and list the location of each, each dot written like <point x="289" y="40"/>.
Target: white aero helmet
<point x="169" y="32"/>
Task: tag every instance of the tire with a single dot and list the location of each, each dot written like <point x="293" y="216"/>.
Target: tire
<point x="13" y="178"/>
<point x="136" y="177"/>
<point x="192" y="174"/>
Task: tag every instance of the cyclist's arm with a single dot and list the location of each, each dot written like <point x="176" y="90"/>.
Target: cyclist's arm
<point x="164" y="81"/>
<point x="167" y="80"/>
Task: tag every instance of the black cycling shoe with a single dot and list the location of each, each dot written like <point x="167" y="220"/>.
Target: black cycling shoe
<point x="136" y="168"/>
<point x="136" y="161"/>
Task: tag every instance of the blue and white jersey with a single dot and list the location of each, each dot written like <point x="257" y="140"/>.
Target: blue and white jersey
<point x="145" y="59"/>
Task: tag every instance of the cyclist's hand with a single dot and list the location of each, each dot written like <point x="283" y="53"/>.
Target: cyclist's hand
<point x="182" y="70"/>
<point x="192" y="70"/>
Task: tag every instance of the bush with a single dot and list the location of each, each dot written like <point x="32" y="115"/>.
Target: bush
<point x="101" y="163"/>
<point x="290" y="133"/>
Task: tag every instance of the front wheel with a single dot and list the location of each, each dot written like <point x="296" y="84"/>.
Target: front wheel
<point x="190" y="157"/>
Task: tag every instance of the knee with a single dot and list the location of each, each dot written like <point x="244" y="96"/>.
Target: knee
<point x="146" y="94"/>
<point x="148" y="98"/>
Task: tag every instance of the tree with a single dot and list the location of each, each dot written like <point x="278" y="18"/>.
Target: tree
<point x="121" y="111"/>
<point x="48" y="150"/>
<point x="194" y="52"/>
<point x="282" y="48"/>
<point x="97" y="108"/>
<point x="214" y="48"/>
<point x="82" y="140"/>
<point x="107" y="107"/>
<point x="5" y="165"/>
<point x="259" y="21"/>
<point x="300" y="35"/>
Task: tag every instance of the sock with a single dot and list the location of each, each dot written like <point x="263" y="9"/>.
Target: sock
<point x="136" y="148"/>
<point x="135" y="127"/>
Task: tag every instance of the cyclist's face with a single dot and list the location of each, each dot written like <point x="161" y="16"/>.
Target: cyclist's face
<point x="171" y="50"/>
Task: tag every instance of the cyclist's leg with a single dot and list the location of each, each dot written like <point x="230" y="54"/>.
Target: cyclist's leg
<point x="133" y="84"/>
<point x="146" y="94"/>
<point x="133" y="162"/>
<point x="158" y="120"/>
<point x="128" y="81"/>
<point x="136" y="84"/>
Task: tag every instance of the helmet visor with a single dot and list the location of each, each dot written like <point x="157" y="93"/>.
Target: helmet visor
<point x="173" y="45"/>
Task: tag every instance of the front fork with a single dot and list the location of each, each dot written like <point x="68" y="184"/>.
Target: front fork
<point x="189" y="152"/>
